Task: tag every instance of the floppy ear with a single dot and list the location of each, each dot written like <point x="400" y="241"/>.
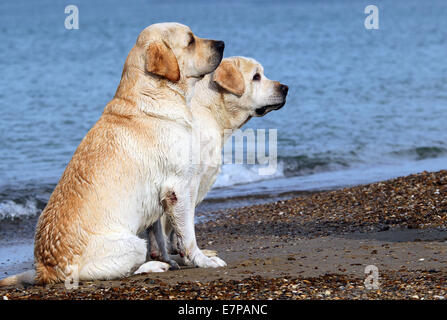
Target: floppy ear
<point x="228" y="76"/>
<point x="161" y="61"/>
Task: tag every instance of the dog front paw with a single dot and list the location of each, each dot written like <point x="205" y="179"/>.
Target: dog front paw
<point x="174" y="265"/>
<point x="209" y="253"/>
<point x="202" y="261"/>
<point x="152" y="266"/>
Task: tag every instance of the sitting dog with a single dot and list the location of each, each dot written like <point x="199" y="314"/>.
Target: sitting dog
<point x="129" y="169"/>
<point x="223" y="101"/>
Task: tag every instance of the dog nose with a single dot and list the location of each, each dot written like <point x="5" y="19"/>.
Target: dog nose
<point x="219" y="45"/>
<point x="284" y="89"/>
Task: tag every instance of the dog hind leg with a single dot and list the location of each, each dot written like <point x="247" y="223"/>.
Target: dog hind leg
<point x="161" y="244"/>
<point x="112" y="257"/>
<point x="154" y="252"/>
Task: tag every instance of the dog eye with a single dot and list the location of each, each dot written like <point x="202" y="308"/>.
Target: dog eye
<point x="257" y="77"/>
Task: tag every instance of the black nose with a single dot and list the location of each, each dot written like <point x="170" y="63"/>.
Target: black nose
<point x="219" y="45"/>
<point x="284" y="89"/>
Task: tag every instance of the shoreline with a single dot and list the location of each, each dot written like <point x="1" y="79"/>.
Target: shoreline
<point x="316" y="245"/>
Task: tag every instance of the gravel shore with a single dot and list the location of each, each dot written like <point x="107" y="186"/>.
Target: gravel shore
<point x="315" y="246"/>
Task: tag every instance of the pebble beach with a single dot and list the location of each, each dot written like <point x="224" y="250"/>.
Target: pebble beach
<point x="314" y="246"/>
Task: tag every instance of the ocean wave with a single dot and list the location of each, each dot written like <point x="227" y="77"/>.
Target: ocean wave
<point x="305" y="165"/>
<point x="234" y="174"/>
<point x="421" y="153"/>
<point x="27" y="199"/>
<point x="10" y="209"/>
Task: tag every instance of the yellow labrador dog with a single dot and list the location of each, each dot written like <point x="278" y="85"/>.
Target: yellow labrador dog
<point x="129" y="169"/>
<point x="224" y="101"/>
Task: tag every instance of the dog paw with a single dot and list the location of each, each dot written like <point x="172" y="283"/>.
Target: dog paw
<point x="153" y="266"/>
<point x="209" y="253"/>
<point x="204" y="262"/>
<point x="218" y="261"/>
<point x="173" y="265"/>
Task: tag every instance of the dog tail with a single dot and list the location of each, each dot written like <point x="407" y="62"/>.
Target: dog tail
<point x="21" y="279"/>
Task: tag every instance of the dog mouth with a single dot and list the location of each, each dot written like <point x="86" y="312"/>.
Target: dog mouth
<point x="199" y="77"/>
<point x="266" y="109"/>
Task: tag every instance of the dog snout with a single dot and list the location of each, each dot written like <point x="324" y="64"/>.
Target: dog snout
<point x="219" y="46"/>
<point x="284" y="89"/>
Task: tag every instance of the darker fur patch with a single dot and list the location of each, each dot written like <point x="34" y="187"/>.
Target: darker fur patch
<point x="154" y="255"/>
<point x="169" y="200"/>
<point x="173" y="198"/>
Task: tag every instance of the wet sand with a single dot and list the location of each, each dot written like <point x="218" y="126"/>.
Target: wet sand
<point x="315" y="246"/>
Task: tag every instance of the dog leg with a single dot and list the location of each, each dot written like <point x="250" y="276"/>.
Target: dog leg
<point x="173" y="243"/>
<point x="153" y="250"/>
<point x="161" y="243"/>
<point x="180" y="212"/>
<point x="157" y="246"/>
<point x="111" y="256"/>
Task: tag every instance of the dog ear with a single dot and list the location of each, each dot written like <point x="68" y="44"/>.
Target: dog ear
<point x="228" y="76"/>
<point x="161" y="61"/>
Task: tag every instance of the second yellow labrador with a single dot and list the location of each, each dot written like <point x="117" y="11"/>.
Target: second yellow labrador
<point x="129" y="169"/>
<point x="223" y="101"/>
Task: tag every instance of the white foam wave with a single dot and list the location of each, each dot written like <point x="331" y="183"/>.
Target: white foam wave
<point x="235" y="174"/>
<point x="11" y="209"/>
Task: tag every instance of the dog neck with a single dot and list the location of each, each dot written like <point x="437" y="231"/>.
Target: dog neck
<point x="154" y="96"/>
<point x="186" y="89"/>
<point x="209" y="97"/>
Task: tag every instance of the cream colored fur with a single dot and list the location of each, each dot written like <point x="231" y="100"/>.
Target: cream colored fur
<point x="218" y="111"/>
<point x="130" y="168"/>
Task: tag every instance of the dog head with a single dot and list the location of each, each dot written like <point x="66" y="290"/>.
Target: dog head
<point x="173" y="52"/>
<point x="245" y="88"/>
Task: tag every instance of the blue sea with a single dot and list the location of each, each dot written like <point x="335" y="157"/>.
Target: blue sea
<point x="363" y="105"/>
